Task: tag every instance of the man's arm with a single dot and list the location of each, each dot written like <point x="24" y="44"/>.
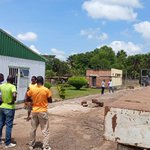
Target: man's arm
<point x="13" y="98"/>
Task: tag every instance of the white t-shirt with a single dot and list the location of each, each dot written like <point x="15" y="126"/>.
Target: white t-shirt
<point x="103" y="83"/>
<point x="110" y="83"/>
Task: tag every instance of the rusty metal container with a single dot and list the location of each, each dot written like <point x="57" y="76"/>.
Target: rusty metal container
<point x="127" y="120"/>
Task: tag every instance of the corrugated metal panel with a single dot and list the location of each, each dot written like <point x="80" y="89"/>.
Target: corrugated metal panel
<point x="9" y="46"/>
<point x="7" y="62"/>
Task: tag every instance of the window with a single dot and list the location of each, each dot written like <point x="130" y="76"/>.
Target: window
<point x="118" y="75"/>
<point x="14" y="72"/>
<point x="24" y="72"/>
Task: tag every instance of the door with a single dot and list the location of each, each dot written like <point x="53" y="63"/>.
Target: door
<point x="21" y="80"/>
<point x="93" y="81"/>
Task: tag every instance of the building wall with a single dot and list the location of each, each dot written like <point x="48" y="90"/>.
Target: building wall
<point x="114" y="74"/>
<point x="35" y="68"/>
<point x="100" y="75"/>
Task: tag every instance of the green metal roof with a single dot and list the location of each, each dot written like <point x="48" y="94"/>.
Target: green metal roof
<point x="9" y="46"/>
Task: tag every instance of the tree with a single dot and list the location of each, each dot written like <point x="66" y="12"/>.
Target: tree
<point x="56" y="67"/>
<point x="134" y="65"/>
<point x="104" y="58"/>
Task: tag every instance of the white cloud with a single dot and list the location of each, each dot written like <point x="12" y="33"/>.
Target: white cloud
<point x="28" y="36"/>
<point x="130" y="3"/>
<point x="94" y="34"/>
<point x="102" y="37"/>
<point x="112" y="9"/>
<point x="58" y="53"/>
<point x="34" y="49"/>
<point x="129" y="47"/>
<point x="143" y="28"/>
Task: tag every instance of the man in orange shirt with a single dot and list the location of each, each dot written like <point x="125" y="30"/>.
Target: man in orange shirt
<point x="28" y="104"/>
<point x="40" y="96"/>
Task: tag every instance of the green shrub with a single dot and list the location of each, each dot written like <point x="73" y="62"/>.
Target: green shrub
<point x="64" y="84"/>
<point x="77" y="82"/>
<point x="61" y="91"/>
<point x="48" y="85"/>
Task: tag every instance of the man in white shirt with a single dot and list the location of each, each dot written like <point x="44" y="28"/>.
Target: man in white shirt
<point x="110" y="86"/>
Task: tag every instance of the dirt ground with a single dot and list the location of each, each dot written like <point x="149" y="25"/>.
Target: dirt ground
<point x="72" y="126"/>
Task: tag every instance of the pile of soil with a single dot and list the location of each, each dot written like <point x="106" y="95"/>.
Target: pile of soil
<point x="72" y="126"/>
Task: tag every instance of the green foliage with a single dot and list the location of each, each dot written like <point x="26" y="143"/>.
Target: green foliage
<point x="71" y="92"/>
<point x="61" y="91"/>
<point x="56" y="67"/>
<point x="48" y="85"/>
<point x="77" y="82"/>
<point x="50" y="73"/>
<point x="64" y="84"/>
<point x="103" y="58"/>
<point x="100" y="58"/>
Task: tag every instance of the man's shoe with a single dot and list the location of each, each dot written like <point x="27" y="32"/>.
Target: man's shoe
<point x="47" y="148"/>
<point x="10" y="145"/>
<point x="2" y="142"/>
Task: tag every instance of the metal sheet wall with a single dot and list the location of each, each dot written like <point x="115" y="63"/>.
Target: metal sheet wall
<point x="35" y="67"/>
<point x="9" y="46"/>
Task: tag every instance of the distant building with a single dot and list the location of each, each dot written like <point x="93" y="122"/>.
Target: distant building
<point x="95" y="77"/>
<point x="20" y="61"/>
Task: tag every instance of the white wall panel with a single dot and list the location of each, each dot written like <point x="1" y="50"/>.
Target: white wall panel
<point x="36" y="68"/>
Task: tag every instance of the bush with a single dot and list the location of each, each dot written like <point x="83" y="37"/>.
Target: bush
<point x="61" y="91"/>
<point x="48" y="85"/>
<point x="64" y="85"/>
<point x="77" y="82"/>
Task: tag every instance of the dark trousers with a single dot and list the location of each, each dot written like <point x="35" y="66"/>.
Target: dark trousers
<point x="102" y="91"/>
<point x="6" y="118"/>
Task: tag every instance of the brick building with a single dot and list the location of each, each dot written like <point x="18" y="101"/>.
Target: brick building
<point x="95" y="77"/>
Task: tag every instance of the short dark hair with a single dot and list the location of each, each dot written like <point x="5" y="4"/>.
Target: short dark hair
<point x="10" y="79"/>
<point x="40" y="80"/>
<point x="35" y="78"/>
<point x="1" y="77"/>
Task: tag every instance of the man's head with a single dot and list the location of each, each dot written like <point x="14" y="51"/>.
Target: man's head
<point x="40" y="80"/>
<point x="1" y="77"/>
<point x="10" y="79"/>
<point x="33" y="79"/>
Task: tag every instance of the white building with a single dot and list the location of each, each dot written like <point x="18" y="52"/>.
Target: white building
<point x="20" y="61"/>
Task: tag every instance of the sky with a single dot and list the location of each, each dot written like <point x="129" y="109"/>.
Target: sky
<point x="67" y="27"/>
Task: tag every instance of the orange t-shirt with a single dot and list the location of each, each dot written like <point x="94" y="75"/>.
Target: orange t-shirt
<point x="39" y="95"/>
<point x="32" y="85"/>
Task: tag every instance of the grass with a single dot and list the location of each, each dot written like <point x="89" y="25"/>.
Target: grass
<point x="71" y="92"/>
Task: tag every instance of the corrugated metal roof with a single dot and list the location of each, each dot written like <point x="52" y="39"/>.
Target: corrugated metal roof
<point x="9" y="46"/>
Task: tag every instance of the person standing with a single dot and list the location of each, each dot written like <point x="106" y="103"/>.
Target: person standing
<point x="7" y="110"/>
<point x="28" y="105"/>
<point x="103" y="87"/>
<point x="40" y="96"/>
<point x="110" y="86"/>
<point x="33" y="82"/>
<point x="1" y="80"/>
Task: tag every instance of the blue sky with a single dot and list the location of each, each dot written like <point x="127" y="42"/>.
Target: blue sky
<point x="66" y="27"/>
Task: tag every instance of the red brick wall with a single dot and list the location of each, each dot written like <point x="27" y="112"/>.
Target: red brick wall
<point x="100" y="75"/>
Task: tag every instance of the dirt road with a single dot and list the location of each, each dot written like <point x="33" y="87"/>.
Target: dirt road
<point x="72" y="126"/>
